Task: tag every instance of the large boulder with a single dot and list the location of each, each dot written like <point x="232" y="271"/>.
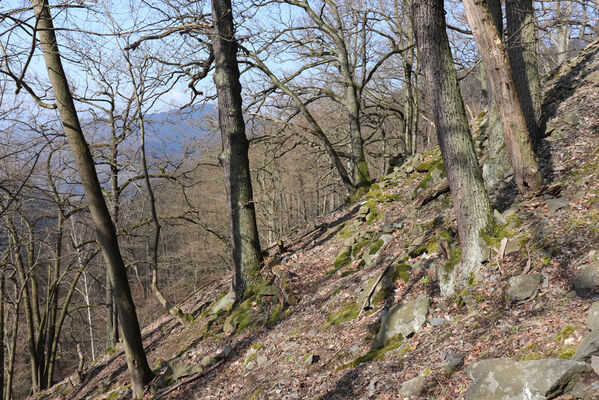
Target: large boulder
<point x="593" y="317"/>
<point x="403" y="318"/>
<point x="585" y="281"/>
<point x="523" y="287"/>
<point x="506" y="379"/>
<point x="589" y="346"/>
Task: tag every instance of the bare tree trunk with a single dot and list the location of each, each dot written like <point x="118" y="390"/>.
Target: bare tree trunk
<point x="522" y="53"/>
<point x="139" y="370"/>
<point x="247" y="256"/>
<point x="2" y="332"/>
<point x="470" y="200"/>
<point x="167" y="305"/>
<point x="498" y="163"/>
<point x="12" y="349"/>
<point x="522" y="158"/>
<point x="409" y="104"/>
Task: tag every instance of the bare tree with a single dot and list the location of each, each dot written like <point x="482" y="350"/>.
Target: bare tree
<point x="247" y="256"/>
<point x="139" y="369"/>
<point x="522" y="158"/>
<point x="470" y="200"/>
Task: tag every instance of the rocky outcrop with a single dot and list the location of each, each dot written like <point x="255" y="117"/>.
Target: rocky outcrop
<point x="506" y="379"/>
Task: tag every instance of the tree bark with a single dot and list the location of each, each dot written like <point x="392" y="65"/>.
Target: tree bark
<point x="2" y="332"/>
<point x="522" y="53"/>
<point x="470" y="200"/>
<point x="522" y="158"/>
<point x="234" y="156"/>
<point x="139" y="370"/>
<point x="498" y="163"/>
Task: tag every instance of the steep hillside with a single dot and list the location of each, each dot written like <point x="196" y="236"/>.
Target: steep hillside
<point x="351" y="308"/>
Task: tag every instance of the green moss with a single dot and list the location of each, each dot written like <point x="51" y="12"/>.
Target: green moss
<point x="358" y="246"/>
<point x="347" y="231"/>
<point x="424" y="183"/>
<point x="348" y="273"/>
<point x="358" y="194"/>
<point x="377" y="353"/>
<point x="347" y="313"/>
<point x="275" y="316"/>
<point x="566" y="352"/>
<point x="429" y="165"/>
<point x="306" y="356"/>
<point x="495" y="233"/>
<point x="110" y="350"/>
<point x="529" y="352"/>
<point x="255" y="395"/>
<point x="565" y="333"/>
<point x="376" y="246"/>
<point x="113" y="396"/>
<point x="415" y="252"/>
<point x="514" y="220"/>
<point x="403" y="271"/>
<point x="343" y="259"/>
<point x="455" y="255"/>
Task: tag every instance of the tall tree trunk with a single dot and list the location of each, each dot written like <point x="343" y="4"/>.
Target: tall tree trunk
<point x="522" y="53"/>
<point x="470" y="200"/>
<point x="12" y="350"/>
<point x="498" y="163"/>
<point x="361" y="172"/>
<point x="234" y="156"/>
<point x="139" y="370"/>
<point x="409" y="103"/>
<point x="522" y="158"/>
<point x="2" y="332"/>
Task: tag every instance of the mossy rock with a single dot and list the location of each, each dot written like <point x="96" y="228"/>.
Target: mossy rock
<point x="358" y="247"/>
<point x="347" y="313"/>
<point x="376" y="247"/>
<point x="343" y="259"/>
<point x="377" y="353"/>
<point x="429" y="165"/>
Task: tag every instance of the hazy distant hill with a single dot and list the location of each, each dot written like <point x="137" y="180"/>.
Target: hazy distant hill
<point x="172" y="131"/>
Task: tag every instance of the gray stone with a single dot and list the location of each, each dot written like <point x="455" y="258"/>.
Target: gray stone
<point x="183" y="369"/>
<point x="412" y="387"/>
<point x="308" y="359"/>
<point x="555" y="204"/>
<point x="589" y="346"/>
<point x="513" y="245"/>
<point x="260" y="360"/>
<point x="271" y="290"/>
<point x="349" y="242"/>
<point x="388" y="228"/>
<point x="506" y="379"/>
<point x="499" y="218"/>
<point x="437" y="322"/>
<point x="403" y="318"/>
<point x="593" y="255"/>
<point x="419" y="241"/>
<point x="224" y="303"/>
<point x="385" y="284"/>
<point x="593" y="77"/>
<point x="452" y="360"/>
<point x="593" y="316"/>
<point x="586" y="281"/>
<point x="523" y="287"/>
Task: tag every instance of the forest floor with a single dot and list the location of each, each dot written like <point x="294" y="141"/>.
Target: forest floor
<point x="321" y="347"/>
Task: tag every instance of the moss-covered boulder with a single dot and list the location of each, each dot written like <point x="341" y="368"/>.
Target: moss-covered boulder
<point x="403" y="319"/>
